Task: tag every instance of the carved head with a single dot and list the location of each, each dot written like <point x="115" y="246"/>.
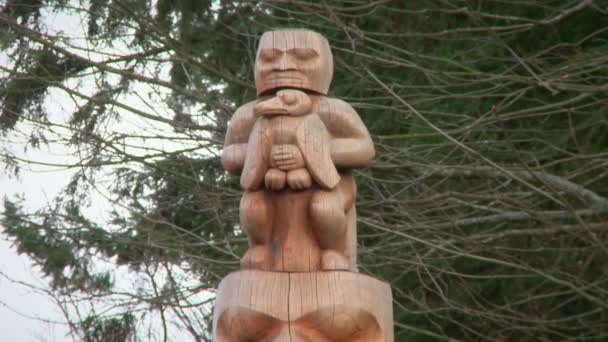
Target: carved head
<point x="293" y="59"/>
<point x="286" y="102"/>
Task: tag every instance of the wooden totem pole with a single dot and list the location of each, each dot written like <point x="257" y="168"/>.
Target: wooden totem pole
<point x="294" y="148"/>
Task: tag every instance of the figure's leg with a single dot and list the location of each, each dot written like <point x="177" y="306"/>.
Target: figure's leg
<point x="299" y="179"/>
<point x="327" y="209"/>
<point x="275" y="179"/>
<point x="256" y="221"/>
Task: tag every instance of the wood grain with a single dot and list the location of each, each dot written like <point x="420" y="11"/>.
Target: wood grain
<point x="337" y="142"/>
<point x="290" y="230"/>
<point x="298" y="59"/>
<point x="294" y="149"/>
<point x="333" y="306"/>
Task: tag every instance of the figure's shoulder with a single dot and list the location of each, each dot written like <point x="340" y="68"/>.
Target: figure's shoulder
<point x="337" y="114"/>
<point x="241" y="123"/>
<point x="330" y="105"/>
<point x="245" y="111"/>
<point x="243" y="118"/>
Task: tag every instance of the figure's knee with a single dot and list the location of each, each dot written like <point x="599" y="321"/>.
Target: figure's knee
<point x="347" y="188"/>
<point x="327" y="210"/>
<point x="255" y="209"/>
<point x="257" y="257"/>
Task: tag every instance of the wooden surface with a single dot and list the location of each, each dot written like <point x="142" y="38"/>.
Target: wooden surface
<point x="288" y="146"/>
<point x="350" y="146"/>
<point x="338" y="141"/>
<point x="304" y="230"/>
<point x="258" y="306"/>
<point x="298" y="59"/>
<point x="294" y="148"/>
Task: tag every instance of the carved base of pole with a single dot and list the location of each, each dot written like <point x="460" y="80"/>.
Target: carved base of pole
<point x="336" y="306"/>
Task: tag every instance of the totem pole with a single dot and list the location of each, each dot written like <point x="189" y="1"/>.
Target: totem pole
<point x="294" y="148"/>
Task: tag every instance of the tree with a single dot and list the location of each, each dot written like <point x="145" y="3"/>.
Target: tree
<point x="486" y="206"/>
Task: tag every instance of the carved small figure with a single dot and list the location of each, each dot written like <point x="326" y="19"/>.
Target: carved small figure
<point x="295" y="141"/>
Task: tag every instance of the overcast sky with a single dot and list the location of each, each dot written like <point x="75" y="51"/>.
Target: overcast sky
<point x="24" y="311"/>
<point x="27" y="314"/>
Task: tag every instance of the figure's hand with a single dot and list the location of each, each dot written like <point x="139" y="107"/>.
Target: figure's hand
<point x="287" y="157"/>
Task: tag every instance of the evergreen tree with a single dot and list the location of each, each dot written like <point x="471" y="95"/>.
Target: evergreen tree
<point x="485" y="208"/>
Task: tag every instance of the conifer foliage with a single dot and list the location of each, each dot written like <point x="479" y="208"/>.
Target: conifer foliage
<point x="486" y="207"/>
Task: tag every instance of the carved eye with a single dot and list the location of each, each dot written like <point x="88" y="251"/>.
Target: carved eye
<point x="304" y="54"/>
<point x="269" y="55"/>
<point x="288" y="97"/>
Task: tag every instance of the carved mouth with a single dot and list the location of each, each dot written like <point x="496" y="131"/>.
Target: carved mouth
<point x="279" y="78"/>
<point x="285" y="76"/>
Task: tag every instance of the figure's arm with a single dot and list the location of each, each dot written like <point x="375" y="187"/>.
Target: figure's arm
<point x="351" y="145"/>
<point x="235" y="145"/>
<point x="314" y="141"/>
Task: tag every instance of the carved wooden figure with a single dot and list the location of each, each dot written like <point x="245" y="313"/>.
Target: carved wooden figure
<point x="294" y="148"/>
<point x="291" y="142"/>
<point x="311" y="132"/>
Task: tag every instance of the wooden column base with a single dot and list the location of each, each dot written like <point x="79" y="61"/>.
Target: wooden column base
<point x="336" y="306"/>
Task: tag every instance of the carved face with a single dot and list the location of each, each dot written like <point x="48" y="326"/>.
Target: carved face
<point x="293" y="59"/>
<point x="334" y="324"/>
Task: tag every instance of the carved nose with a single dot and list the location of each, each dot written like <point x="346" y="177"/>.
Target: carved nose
<point x="285" y="336"/>
<point x="284" y="63"/>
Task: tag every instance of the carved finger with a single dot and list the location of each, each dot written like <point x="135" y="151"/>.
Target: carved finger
<point x="285" y="155"/>
<point x="285" y="160"/>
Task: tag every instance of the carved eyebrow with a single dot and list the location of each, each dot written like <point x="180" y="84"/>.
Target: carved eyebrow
<point x="303" y="52"/>
<point x="270" y="53"/>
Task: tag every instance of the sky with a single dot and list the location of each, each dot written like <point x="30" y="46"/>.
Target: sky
<point x="32" y="314"/>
